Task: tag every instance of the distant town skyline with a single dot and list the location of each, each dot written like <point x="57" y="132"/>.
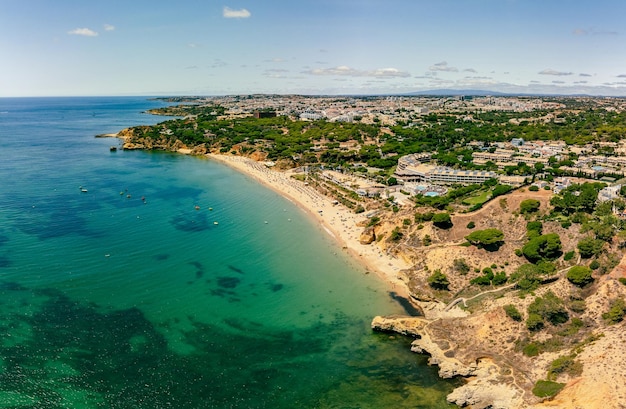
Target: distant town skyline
<point x="194" y="47"/>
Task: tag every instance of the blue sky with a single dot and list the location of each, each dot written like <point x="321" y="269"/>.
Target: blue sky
<point x="183" y="47"/>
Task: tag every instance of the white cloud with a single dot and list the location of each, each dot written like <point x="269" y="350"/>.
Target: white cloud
<point x="230" y="13"/>
<point x="109" y="27"/>
<point x="470" y="70"/>
<point x="549" y="71"/>
<point x="343" y="70"/>
<point x="83" y="32"/>
<point x="582" y="74"/>
<point x="621" y="76"/>
<point x="388" y="72"/>
<point x="442" y="66"/>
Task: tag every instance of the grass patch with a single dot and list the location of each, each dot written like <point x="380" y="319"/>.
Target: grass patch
<point x="478" y="199"/>
<point x="547" y="389"/>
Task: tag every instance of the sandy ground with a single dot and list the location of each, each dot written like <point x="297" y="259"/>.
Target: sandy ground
<point x="338" y="221"/>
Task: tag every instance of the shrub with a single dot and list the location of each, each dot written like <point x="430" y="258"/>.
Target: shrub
<point x="564" y="364"/>
<point x="531" y="349"/>
<point x="512" y="312"/>
<point x="578" y="306"/>
<point x="396" y="234"/>
<point x="569" y="255"/>
<point x="595" y="264"/>
<point x="549" y="307"/>
<point x="438" y="280"/>
<point x="500" y="278"/>
<point x="481" y="280"/>
<point x="533" y="188"/>
<point x="622" y="280"/>
<point x="547" y="389"/>
<point x="461" y="266"/>
<point x="471" y="225"/>
<point x="534" y="322"/>
<point x="580" y="276"/>
<point x="616" y="312"/>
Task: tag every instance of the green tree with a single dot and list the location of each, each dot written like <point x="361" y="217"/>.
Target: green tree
<point x="500" y="190"/>
<point x="580" y="275"/>
<point x="442" y="220"/>
<point x="487" y="238"/>
<point x="544" y="247"/>
<point x="529" y="206"/>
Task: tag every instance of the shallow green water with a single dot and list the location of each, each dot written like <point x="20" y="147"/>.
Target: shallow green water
<point x="126" y="296"/>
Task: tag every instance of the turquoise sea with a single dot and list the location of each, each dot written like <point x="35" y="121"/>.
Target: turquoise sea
<point x="116" y="291"/>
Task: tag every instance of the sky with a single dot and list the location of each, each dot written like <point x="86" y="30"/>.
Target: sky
<point x="313" y="47"/>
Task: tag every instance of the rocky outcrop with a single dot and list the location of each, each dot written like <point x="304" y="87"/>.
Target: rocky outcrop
<point x="368" y="236"/>
<point x="486" y="387"/>
<point x="486" y="390"/>
<point x="409" y="326"/>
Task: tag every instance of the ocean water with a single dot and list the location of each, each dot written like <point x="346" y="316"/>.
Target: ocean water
<point x="175" y="282"/>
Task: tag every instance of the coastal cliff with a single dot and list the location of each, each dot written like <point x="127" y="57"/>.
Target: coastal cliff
<point x="500" y="306"/>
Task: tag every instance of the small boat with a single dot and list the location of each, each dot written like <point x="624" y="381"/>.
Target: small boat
<point x="197" y="207"/>
<point x="113" y="148"/>
<point x="82" y="189"/>
<point x="215" y="223"/>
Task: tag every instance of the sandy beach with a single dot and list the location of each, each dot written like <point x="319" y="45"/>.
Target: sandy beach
<point x="338" y="221"/>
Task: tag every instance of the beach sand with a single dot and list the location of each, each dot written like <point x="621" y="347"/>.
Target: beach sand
<point x="338" y="221"/>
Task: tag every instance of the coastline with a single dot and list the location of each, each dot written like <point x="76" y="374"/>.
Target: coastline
<point x="336" y="220"/>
